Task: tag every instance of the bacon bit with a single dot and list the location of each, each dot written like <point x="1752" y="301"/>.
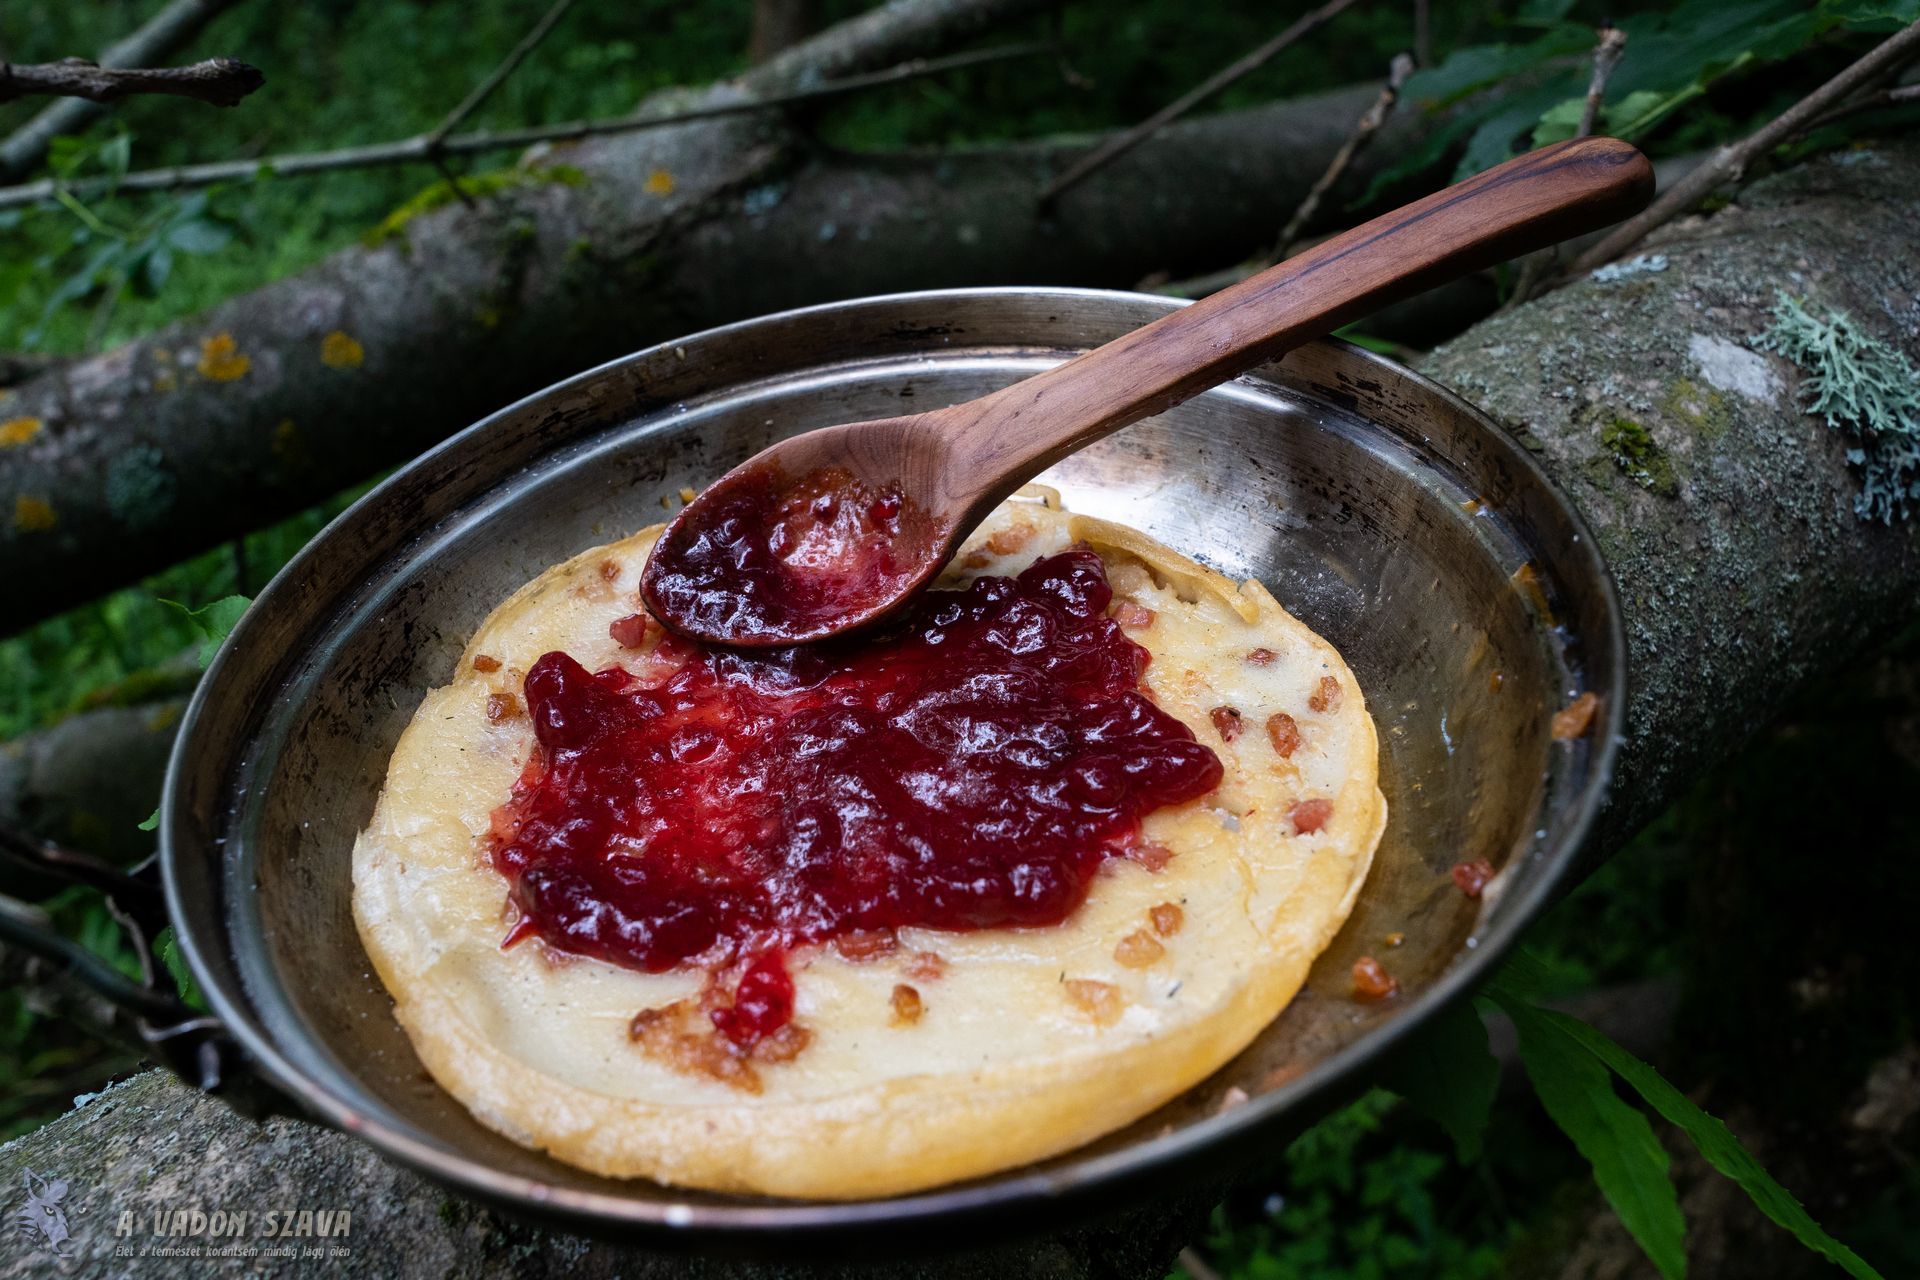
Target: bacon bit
<point x="661" y="1034"/>
<point x="784" y="1045"/>
<point x="1395" y="938"/>
<point x="629" y="632"/>
<point x="1574" y="719"/>
<point x="1166" y="918"/>
<point x="1283" y="731"/>
<point x="1154" y="857"/>
<point x="1526" y="581"/>
<point x="1100" y="1001"/>
<point x="926" y="966"/>
<point x="1326" y="696"/>
<point x="1138" y="950"/>
<point x="1235" y="1096"/>
<point x="862" y="945"/>
<point x="976" y="560"/>
<point x="1010" y="539"/>
<point x="485" y="662"/>
<point x="1309" y="816"/>
<point x="1472" y="877"/>
<point x="1261" y="657"/>
<point x="1227" y="722"/>
<point x="1494" y="681"/>
<point x="501" y="706"/>
<point x="1371" y="982"/>
<point x="1131" y="615"/>
<point x="907" y="1006"/>
<point x="610" y="570"/>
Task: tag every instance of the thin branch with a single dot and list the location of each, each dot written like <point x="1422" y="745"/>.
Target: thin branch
<point x="507" y="67"/>
<point x="219" y="82"/>
<point x="1357" y="142"/>
<point x="1606" y="56"/>
<point x="1729" y="162"/>
<point x="1121" y="143"/>
<point x="153" y="41"/>
<point x="415" y="150"/>
<point x="1900" y="97"/>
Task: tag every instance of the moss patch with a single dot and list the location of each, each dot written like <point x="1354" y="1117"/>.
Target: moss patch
<point x="477" y="186"/>
<point x="1639" y="458"/>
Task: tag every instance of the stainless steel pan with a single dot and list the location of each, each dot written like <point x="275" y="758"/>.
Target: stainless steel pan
<point x="1389" y="515"/>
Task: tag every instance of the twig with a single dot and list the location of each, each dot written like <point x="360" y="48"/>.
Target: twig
<point x="1121" y="143"/>
<point x="437" y="137"/>
<point x="1357" y="142"/>
<point x="1728" y="163"/>
<point x="1197" y="1267"/>
<point x="153" y="41"/>
<point x="1364" y="129"/>
<point x="1899" y="97"/>
<point x="1606" y="56"/>
<point x="508" y="65"/>
<point x="414" y="150"/>
<point x="219" y="82"/>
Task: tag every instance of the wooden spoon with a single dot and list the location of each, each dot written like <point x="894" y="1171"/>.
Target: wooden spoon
<point x="835" y="529"/>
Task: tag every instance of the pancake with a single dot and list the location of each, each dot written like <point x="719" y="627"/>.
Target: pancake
<point x="1015" y="1044"/>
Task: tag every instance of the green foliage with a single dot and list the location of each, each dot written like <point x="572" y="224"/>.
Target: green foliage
<point x="1447" y="1073"/>
<point x="1862" y="388"/>
<point x="1720" y="1148"/>
<point x="1629" y="1164"/>
<point x="1356" y="1206"/>
<point x="215" y="622"/>
<point x="1671" y="59"/>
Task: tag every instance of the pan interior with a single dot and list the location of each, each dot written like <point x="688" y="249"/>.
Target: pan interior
<point x="1389" y="517"/>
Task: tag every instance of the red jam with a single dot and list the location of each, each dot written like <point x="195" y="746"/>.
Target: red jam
<point x="970" y="768"/>
<point x="756" y="562"/>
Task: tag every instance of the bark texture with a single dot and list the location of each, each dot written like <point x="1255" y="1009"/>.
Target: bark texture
<point x="1725" y="513"/>
<point x="140" y="457"/>
<point x="1742" y="566"/>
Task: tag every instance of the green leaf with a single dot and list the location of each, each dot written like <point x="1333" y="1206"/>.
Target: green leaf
<point x="1447" y="1073"/>
<point x="1876" y="13"/>
<point x="1719" y="1147"/>
<point x="1628" y="1162"/>
<point x="155" y="269"/>
<point x="215" y="622"/>
<point x="153" y="821"/>
<point x="167" y="948"/>
<point x="1559" y="121"/>
<point x="200" y="235"/>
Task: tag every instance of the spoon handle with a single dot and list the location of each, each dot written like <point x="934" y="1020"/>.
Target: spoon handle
<point x="1527" y="203"/>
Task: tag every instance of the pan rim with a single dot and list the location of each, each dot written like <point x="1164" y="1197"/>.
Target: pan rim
<point x="1604" y="671"/>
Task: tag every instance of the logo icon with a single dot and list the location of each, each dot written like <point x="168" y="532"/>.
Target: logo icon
<point x="41" y="1219"/>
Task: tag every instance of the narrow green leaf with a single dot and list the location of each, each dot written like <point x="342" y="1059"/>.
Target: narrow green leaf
<point x="215" y="622"/>
<point x="1447" y="1073"/>
<point x="152" y="823"/>
<point x="1629" y="1164"/>
<point x="1720" y="1148"/>
<point x="167" y="948"/>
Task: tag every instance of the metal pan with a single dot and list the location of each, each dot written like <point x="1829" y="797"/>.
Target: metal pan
<point x="1386" y="513"/>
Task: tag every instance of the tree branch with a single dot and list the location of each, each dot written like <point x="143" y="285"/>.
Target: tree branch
<point x="508" y="65"/>
<point x="1730" y="162"/>
<point x="422" y="149"/>
<point x="218" y="82"/>
<point x="168" y="30"/>
<point x="1363" y="131"/>
<point x="1121" y="143"/>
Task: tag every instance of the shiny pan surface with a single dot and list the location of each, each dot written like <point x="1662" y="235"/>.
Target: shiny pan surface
<point x="1387" y="514"/>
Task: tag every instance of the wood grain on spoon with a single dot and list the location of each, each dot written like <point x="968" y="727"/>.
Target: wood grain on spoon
<point x="834" y="529"/>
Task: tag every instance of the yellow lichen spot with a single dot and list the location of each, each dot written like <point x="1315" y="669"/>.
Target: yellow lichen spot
<point x="338" y="351"/>
<point x="220" y="359"/>
<point x="686" y="496"/>
<point x="33" y="515"/>
<point x="660" y="183"/>
<point x="17" y="431"/>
